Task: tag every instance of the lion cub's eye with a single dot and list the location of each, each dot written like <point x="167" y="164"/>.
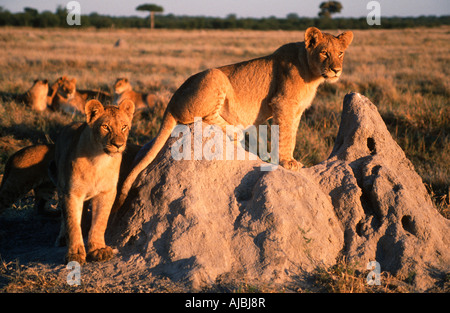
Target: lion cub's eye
<point x="324" y="53"/>
<point x="124" y="127"/>
<point x="105" y="127"/>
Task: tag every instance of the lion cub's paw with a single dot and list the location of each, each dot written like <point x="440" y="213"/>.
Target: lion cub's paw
<point x="102" y="254"/>
<point x="291" y="164"/>
<point x="76" y="253"/>
<point x="78" y="257"/>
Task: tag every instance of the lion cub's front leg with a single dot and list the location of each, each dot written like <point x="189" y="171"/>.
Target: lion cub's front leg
<point x="288" y="123"/>
<point x="101" y="208"/>
<point x="72" y="206"/>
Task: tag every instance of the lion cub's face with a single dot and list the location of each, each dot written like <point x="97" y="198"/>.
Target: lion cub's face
<point x="121" y="85"/>
<point x="326" y="52"/>
<point x="110" y="125"/>
<point x="66" y="87"/>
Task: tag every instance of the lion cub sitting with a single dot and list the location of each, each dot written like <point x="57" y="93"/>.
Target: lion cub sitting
<point x="36" y="96"/>
<point x="123" y="90"/>
<point x="87" y="158"/>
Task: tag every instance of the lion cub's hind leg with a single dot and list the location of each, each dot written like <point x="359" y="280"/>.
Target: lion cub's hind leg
<point x="218" y="120"/>
<point x="213" y="92"/>
<point x="202" y="95"/>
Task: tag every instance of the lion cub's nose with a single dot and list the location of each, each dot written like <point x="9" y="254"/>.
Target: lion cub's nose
<point x="117" y="143"/>
<point x="337" y="70"/>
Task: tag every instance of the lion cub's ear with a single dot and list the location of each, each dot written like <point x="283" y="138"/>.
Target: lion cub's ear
<point x="127" y="106"/>
<point x="313" y="36"/>
<point x="346" y="39"/>
<point x="93" y="109"/>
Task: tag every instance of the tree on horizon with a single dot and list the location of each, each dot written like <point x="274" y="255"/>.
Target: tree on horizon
<point x="329" y="7"/>
<point x="152" y="8"/>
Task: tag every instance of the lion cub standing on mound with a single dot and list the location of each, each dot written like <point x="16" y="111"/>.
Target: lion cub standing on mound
<point x="87" y="159"/>
<point x="281" y="85"/>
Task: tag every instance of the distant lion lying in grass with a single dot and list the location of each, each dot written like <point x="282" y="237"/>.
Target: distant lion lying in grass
<point x="123" y="90"/>
<point x="65" y="96"/>
<point x="35" y="97"/>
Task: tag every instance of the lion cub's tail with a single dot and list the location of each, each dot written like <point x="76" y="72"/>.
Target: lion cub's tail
<point x="167" y="126"/>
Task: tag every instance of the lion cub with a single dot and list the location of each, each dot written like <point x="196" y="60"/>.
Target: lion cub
<point x="279" y="86"/>
<point x="123" y="90"/>
<point x="66" y="97"/>
<point x="87" y="158"/>
<point x="36" y="96"/>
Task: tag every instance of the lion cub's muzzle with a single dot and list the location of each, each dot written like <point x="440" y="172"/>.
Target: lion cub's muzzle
<point x="332" y="74"/>
<point x="66" y="95"/>
<point x="115" y="145"/>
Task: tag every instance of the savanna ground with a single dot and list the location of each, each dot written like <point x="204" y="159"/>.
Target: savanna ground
<point x="404" y="73"/>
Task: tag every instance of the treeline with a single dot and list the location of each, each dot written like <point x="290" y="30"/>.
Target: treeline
<point x="32" y="18"/>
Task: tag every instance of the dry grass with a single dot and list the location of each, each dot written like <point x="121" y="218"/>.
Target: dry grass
<point x="344" y="277"/>
<point x="22" y="280"/>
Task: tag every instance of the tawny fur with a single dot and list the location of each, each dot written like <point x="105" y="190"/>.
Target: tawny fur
<point x="123" y="90"/>
<point x="36" y="96"/>
<point x="281" y="85"/>
<point x="88" y="157"/>
<point x="26" y="170"/>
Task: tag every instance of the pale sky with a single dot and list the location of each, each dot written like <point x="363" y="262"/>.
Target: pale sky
<point x="242" y="8"/>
